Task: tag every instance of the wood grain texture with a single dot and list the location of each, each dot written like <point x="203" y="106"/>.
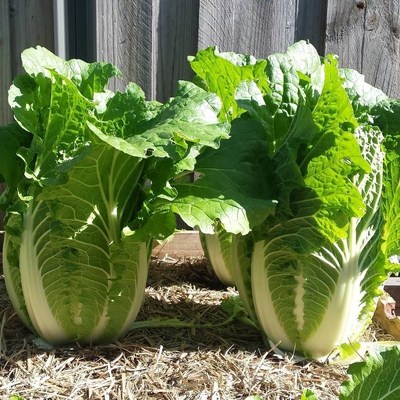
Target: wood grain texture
<point x="260" y="27"/>
<point x="175" y="37"/>
<point x="5" y="62"/>
<point x="149" y="41"/>
<point x="310" y="22"/>
<point x="31" y="24"/>
<point x="385" y="316"/>
<point x="184" y="244"/>
<point x="125" y="39"/>
<point x="392" y="287"/>
<point x="366" y="36"/>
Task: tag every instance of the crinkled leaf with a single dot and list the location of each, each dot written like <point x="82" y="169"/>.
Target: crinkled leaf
<point x="376" y="378"/>
<point x="222" y="72"/>
<point x="309" y="65"/>
<point x="90" y="78"/>
<point x="335" y="155"/>
<point x="363" y="96"/>
<point x="296" y="74"/>
<point x="232" y="185"/>
<point x="387" y="117"/>
<point x="391" y="206"/>
<point x="317" y="158"/>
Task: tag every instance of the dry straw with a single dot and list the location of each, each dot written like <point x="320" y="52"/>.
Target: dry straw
<point x="225" y="361"/>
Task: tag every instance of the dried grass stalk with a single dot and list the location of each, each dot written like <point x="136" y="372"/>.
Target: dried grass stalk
<point x="227" y="361"/>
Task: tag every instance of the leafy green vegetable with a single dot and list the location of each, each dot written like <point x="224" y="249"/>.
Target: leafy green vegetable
<point x="309" y="272"/>
<point x="89" y="177"/>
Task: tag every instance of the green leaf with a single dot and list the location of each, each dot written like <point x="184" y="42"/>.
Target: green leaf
<point x="190" y="117"/>
<point x="391" y="206"/>
<point x="90" y="78"/>
<point x="222" y="72"/>
<point x="376" y="378"/>
<point x="387" y="117"/>
<point x="309" y="65"/>
<point x="234" y="307"/>
<point x="292" y="77"/>
<point x="92" y="191"/>
<point x="362" y="95"/>
<point x="230" y="187"/>
<point x="308" y="395"/>
<point x="12" y="139"/>
<point x="318" y="156"/>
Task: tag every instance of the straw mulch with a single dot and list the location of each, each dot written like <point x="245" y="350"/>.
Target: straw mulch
<point x="220" y="362"/>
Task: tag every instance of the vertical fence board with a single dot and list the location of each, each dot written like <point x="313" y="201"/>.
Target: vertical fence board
<point x="365" y="35"/>
<point x="260" y="27"/>
<point x="124" y="38"/>
<point x="5" y="62"/>
<point x="252" y="27"/>
<point x="149" y="41"/>
<point x="176" y="32"/>
<point x="310" y="22"/>
<point x="31" y="24"/>
<point x="216" y="24"/>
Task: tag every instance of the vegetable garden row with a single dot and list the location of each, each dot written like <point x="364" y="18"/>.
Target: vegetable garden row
<point x="297" y="200"/>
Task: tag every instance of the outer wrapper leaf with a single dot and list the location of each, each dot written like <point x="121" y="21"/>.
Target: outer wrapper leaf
<point x="218" y="249"/>
<point x="387" y="117"/>
<point x="230" y="187"/>
<point x="376" y="378"/>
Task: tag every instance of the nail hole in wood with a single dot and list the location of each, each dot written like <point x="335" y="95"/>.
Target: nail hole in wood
<point x="361" y="5"/>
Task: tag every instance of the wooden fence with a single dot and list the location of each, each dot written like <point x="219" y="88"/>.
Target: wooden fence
<point x="149" y="40"/>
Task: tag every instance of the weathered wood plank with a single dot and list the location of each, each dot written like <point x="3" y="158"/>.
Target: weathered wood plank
<point x="385" y="316"/>
<point x="175" y="37"/>
<point x="251" y="27"/>
<point x="392" y="287"/>
<point x="31" y="24"/>
<point x="185" y="244"/>
<point x="149" y="41"/>
<point x="366" y="36"/>
<point x="125" y="39"/>
<point x="310" y="23"/>
<point x="5" y="62"/>
<point x="260" y="27"/>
